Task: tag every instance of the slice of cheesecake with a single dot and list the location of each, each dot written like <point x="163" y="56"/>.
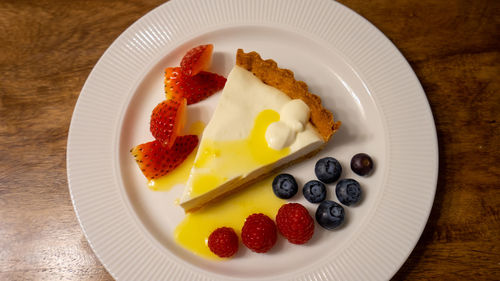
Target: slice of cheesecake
<point x="264" y="122"/>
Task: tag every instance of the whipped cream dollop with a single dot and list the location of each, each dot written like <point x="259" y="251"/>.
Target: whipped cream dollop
<point x="294" y="116"/>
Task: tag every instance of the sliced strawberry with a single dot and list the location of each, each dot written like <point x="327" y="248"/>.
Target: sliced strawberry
<point x="173" y="89"/>
<point x="167" y="120"/>
<point x="197" y="59"/>
<point x="201" y="86"/>
<point x="193" y="88"/>
<point x="155" y="160"/>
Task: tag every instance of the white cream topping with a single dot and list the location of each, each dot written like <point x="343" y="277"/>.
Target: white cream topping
<point x="279" y="135"/>
<point x="294" y="116"/>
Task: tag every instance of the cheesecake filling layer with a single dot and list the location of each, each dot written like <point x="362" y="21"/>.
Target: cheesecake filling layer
<point x="234" y="148"/>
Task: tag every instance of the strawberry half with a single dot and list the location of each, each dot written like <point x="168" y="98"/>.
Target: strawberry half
<point x="155" y="160"/>
<point x="193" y="88"/>
<point x="172" y="81"/>
<point x="167" y="120"/>
<point x="197" y="59"/>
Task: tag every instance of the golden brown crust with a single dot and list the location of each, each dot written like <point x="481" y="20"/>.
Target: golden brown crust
<point x="283" y="79"/>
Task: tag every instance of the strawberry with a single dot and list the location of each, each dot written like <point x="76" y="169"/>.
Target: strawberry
<point x="197" y="59"/>
<point x="259" y="233"/>
<point x="223" y="242"/>
<point x="167" y="121"/>
<point x="155" y="160"/>
<point x="172" y="83"/>
<point x="295" y="223"/>
<point x="193" y="88"/>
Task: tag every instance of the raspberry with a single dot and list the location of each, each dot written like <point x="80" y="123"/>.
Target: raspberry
<point x="295" y="223"/>
<point x="259" y="233"/>
<point x="223" y="242"/>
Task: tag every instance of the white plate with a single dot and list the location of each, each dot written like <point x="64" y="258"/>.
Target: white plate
<point x="355" y="69"/>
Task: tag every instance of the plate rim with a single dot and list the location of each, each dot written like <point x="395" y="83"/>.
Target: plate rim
<point x="131" y="32"/>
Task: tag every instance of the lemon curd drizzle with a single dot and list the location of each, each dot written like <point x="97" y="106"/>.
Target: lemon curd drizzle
<point x="192" y="233"/>
<point x="219" y="161"/>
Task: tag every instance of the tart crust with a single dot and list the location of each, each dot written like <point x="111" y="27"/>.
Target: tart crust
<point x="283" y="79"/>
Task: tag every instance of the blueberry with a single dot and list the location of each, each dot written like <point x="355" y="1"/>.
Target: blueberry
<point x="361" y="164"/>
<point x="328" y="169"/>
<point x="285" y="186"/>
<point x="348" y="191"/>
<point x="314" y="191"/>
<point x="330" y="214"/>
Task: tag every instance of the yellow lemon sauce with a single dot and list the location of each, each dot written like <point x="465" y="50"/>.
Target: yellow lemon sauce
<point x="192" y="233"/>
<point x="222" y="160"/>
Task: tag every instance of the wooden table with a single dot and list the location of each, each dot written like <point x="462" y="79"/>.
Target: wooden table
<point x="48" y="48"/>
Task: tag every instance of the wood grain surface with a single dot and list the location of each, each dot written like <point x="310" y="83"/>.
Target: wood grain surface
<point x="48" y="48"/>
